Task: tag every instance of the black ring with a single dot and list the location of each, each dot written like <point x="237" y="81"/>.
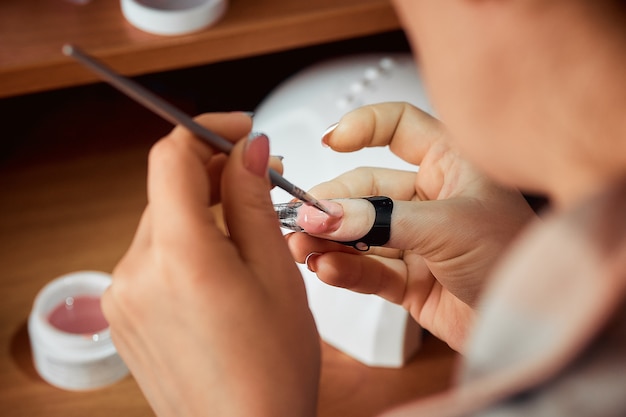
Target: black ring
<point x="381" y="230"/>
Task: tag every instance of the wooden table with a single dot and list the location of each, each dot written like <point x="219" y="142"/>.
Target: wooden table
<point x="32" y="33"/>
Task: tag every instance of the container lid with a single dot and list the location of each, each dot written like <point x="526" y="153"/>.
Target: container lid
<point x="173" y="17"/>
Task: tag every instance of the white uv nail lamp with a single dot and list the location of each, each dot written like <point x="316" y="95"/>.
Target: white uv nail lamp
<point x="295" y="115"/>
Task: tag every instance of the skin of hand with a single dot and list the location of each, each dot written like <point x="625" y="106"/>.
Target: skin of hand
<point x="208" y="323"/>
<point x="449" y="223"/>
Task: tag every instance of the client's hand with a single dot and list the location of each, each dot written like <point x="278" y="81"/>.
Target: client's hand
<point x="211" y="324"/>
<point x="449" y="223"/>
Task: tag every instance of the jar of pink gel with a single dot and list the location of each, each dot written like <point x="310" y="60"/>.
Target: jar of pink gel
<point x="70" y="338"/>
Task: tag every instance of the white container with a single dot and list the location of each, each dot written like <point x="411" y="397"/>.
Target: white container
<point x="67" y="360"/>
<point x="173" y="17"/>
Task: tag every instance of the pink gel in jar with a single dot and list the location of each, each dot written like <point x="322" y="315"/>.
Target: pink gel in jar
<point x="70" y="338"/>
<point x="79" y="315"/>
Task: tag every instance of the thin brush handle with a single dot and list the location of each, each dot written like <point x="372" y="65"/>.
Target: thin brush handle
<point x="177" y="117"/>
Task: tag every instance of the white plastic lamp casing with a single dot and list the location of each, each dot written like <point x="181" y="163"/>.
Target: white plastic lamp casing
<point x="173" y="17"/>
<point x="294" y="116"/>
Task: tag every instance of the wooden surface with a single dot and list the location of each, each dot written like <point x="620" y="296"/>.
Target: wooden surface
<point x="72" y="179"/>
<point x="32" y="33"/>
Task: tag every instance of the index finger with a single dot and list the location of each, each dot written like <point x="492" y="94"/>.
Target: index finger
<point x="365" y="181"/>
<point x="178" y="182"/>
<point x="408" y="131"/>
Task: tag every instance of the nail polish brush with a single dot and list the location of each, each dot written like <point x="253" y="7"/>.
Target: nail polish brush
<point x="176" y="116"/>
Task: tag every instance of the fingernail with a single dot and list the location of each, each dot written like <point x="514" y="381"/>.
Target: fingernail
<point x="250" y="114"/>
<point x="279" y="157"/>
<point x="315" y="221"/>
<point x="327" y="133"/>
<point x="256" y="153"/>
<point x="311" y="261"/>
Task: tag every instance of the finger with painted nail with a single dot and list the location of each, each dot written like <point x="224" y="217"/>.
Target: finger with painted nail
<point x="373" y="211"/>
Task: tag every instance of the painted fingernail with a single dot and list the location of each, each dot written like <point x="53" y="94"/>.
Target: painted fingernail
<point x="311" y="261"/>
<point x="327" y="133"/>
<point x="256" y="153"/>
<point x="315" y="221"/>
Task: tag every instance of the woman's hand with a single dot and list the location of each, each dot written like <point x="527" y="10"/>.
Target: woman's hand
<point x="449" y="223"/>
<point x="211" y="324"/>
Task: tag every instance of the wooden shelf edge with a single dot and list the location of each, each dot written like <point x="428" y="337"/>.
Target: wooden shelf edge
<point x="144" y="58"/>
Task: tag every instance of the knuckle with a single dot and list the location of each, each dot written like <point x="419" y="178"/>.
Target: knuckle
<point x="161" y="151"/>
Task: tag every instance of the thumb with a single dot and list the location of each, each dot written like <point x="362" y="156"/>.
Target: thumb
<point x="248" y="210"/>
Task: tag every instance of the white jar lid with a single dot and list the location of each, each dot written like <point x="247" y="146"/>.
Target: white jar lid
<point x="173" y="17"/>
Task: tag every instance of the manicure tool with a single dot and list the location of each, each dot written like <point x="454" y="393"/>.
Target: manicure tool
<point x="175" y="116"/>
<point x="378" y="235"/>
